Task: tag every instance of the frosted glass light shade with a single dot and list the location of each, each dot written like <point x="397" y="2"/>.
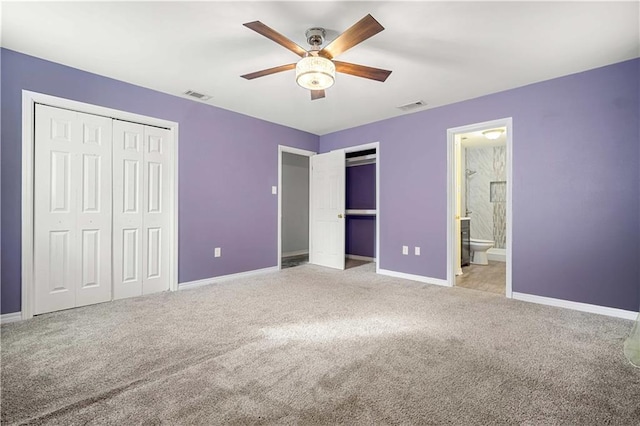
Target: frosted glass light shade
<point x="493" y="134"/>
<point x="315" y="73"/>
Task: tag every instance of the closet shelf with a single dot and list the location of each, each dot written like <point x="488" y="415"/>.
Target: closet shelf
<point x="362" y="160"/>
<point x="361" y="212"/>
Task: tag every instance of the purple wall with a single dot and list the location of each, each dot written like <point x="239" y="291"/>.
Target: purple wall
<point x="227" y="165"/>
<point x="576" y="188"/>
<point x="360" y="236"/>
<point x="361" y="194"/>
<point x="361" y="187"/>
<point x="576" y="178"/>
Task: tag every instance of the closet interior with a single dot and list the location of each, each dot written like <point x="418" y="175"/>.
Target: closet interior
<point x="361" y="213"/>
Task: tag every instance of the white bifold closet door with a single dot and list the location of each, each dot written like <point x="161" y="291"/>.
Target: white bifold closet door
<point x="141" y="216"/>
<point x="72" y="209"/>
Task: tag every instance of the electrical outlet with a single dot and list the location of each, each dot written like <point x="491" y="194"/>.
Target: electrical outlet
<point x="217" y="252"/>
<point x="417" y="251"/>
<point x="405" y="250"/>
<point x="274" y="190"/>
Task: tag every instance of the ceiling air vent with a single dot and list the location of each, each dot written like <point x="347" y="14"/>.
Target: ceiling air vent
<point x="200" y="96"/>
<point x="412" y="105"/>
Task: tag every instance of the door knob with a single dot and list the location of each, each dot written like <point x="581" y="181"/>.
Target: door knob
<point x="339" y="216"/>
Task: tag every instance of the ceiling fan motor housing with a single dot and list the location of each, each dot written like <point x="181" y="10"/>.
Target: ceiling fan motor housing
<point x="315" y="36"/>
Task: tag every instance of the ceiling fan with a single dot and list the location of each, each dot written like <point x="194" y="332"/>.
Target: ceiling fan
<point x="316" y="70"/>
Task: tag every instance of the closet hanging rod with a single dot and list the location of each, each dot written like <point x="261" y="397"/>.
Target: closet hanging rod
<point x="362" y="212"/>
<point x="360" y="161"/>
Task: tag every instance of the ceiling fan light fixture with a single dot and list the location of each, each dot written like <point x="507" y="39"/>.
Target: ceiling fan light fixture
<point x="315" y="73"/>
<point x="493" y="134"/>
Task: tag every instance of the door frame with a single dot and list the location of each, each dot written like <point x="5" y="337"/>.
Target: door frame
<point x="291" y="150"/>
<point x="452" y="184"/>
<point x="29" y="100"/>
<point x="363" y="147"/>
<point x="284" y="148"/>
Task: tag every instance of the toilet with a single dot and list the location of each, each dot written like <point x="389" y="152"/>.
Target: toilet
<point x="479" y="250"/>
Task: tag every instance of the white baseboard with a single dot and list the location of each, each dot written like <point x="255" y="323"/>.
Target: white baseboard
<point x="358" y="257"/>
<point x="207" y="281"/>
<point x="576" y="306"/>
<point x="12" y="317"/>
<point x="497" y="255"/>
<point x="295" y="253"/>
<point x="419" y="278"/>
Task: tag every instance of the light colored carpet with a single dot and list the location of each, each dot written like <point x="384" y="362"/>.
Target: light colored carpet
<point x="310" y="345"/>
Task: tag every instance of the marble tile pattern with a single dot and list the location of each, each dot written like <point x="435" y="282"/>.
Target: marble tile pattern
<point x="488" y="219"/>
<point x="500" y="197"/>
<point x="480" y="161"/>
<point x="500" y="225"/>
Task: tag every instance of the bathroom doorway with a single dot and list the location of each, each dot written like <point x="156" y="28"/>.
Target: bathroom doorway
<point x="479" y="206"/>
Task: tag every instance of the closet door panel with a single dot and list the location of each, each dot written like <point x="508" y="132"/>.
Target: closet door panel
<point x="156" y="210"/>
<point x="56" y="134"/>
<point x="128" y="162"/>
<point x="94" y="210"/>
<point x="72" y="208"/>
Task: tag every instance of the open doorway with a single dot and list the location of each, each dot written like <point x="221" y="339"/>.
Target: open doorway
<point x="479" y="212"/>
<point x="361" y="207"/>
<point x="293" y="206"/>
<point x="339" y="200"/>
<point x="344" y="215"/>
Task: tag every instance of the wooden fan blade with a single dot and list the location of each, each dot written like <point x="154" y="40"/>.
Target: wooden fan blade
<point x="317" y="94"/>
<point x="362" y="71"/>
<point x="357" y="33"/>
<point x="273" y="35"/>
<point x="268" y="71"/>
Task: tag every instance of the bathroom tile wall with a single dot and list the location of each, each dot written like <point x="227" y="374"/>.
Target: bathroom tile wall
<point x="499" y="197"/>
<point x="480" y="161"/>
<point x="486" y="193"/>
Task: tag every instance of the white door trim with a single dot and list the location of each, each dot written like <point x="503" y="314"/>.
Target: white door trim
<point x="451" y="195"/>
<point x="29" y="99"/>
<point x="376" y="146"/>
<point x="282" y="149"/>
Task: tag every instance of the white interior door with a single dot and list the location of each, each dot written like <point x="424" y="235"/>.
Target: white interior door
<point x="72" y="209"/>
<point x="141" y="209"/>
<point x="127" y="208"/>
<point x="156" y="210"/>
<point x="327" y="225"/>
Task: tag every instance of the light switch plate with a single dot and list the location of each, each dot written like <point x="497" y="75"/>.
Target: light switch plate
<point x="217" y="252"/>
<point x="405" y="249"/>
<point x="417" y="251"/>
<point x="274" y="190"/>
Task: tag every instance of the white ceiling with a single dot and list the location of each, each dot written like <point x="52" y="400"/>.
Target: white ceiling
<point x="439" y="52"/>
